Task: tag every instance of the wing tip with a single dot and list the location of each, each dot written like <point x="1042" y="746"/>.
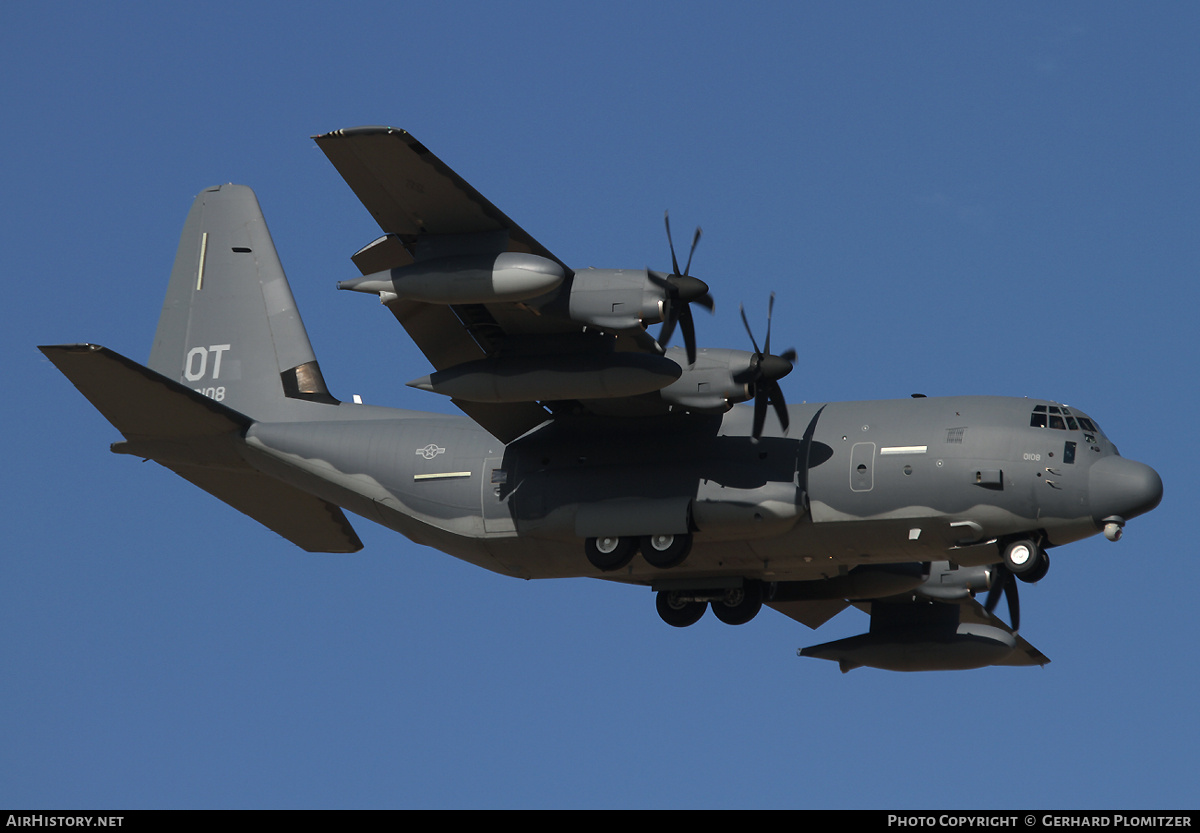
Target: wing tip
<point x="364" y="130"/>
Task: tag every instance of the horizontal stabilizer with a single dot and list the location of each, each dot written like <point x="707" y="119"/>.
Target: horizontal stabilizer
<point x="139" y="402"/>
<point x="310" y="523"/>
<point x="199" y="439"/>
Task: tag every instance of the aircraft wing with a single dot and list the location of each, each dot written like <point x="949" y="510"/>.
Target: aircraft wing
<point x="912" y="635"/>
<point x="410" y="192"/>
<point x="971" y="612"/>
<point x="427" y="211"/>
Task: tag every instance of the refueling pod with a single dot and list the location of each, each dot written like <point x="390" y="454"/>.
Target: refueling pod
<point x="467" y="279"/>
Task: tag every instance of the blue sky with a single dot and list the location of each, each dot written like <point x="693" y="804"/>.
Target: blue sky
<point x="946" y="197"/>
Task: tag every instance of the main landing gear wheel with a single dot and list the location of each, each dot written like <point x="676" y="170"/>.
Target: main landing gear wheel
<point x="1023" y="557"/>
<point x="678" y="611"/>
<point x="740" y="604"/>
<point x="610" y="553"/>
<point x="666" y="551"/>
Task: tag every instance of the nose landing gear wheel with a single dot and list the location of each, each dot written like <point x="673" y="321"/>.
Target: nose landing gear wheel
<point x="1024" y="557"/>
<point x="677" y="611"/>
<point x="1038" y="572"/>
<point x="610" y="553"/>
<point x="666" y="551"/>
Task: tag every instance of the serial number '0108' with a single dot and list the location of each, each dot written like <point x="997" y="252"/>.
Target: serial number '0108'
<point x="1031" y="455"/>
<point x="212" y="393"/>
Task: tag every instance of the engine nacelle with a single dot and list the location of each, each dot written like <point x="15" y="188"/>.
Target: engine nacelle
<point x="710" y="385"/>
<point x="615" y="299"/>
<point x="469" y="279"/>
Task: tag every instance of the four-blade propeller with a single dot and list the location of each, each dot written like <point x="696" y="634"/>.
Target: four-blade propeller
<point x="764" y="374"/>
<point x="681" y="290"/>
<point x="765" y="369"/>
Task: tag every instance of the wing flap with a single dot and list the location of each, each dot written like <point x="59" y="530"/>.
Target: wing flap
<point x="810" y="613"/>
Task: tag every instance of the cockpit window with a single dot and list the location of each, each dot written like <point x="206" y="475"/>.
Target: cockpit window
<point x="1059" y="417"/>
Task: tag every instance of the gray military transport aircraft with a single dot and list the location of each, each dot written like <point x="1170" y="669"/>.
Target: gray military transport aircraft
<point x="591" y="448"/>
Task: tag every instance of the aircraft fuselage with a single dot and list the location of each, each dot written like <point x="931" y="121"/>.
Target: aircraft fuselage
<point x="912" y="480"/>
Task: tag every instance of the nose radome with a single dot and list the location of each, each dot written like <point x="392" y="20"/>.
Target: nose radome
<point x="1124" y="488"/>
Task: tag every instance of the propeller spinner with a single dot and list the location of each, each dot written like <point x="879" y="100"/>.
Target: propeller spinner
<point x="764" y="374"/>
<point x="681" y="290"/>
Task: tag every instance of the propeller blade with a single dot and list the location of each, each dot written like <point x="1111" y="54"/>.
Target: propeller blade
<point x="746" y="324"/>
<point x="689" y="333"/>
<point x="760" y="415"/>
<point x="781" y="411"/>
<point x="999" y="579"/>
<point x="695" y="241"/>
<point x="681" y="290"/>
<point x="1014" y="606"/>
<point x="1004" y="585"/>
<point x="770" y="309"/>
<point x="668" y="328"/>
<point x="670" y="242"/>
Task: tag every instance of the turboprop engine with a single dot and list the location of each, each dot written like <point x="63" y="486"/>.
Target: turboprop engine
<point x="615" y="299"/>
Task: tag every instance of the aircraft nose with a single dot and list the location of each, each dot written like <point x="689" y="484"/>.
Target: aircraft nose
<point x="1125" y="488"/>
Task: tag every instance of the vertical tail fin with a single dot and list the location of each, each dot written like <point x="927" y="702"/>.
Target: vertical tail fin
<point x="229" y="328"/>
